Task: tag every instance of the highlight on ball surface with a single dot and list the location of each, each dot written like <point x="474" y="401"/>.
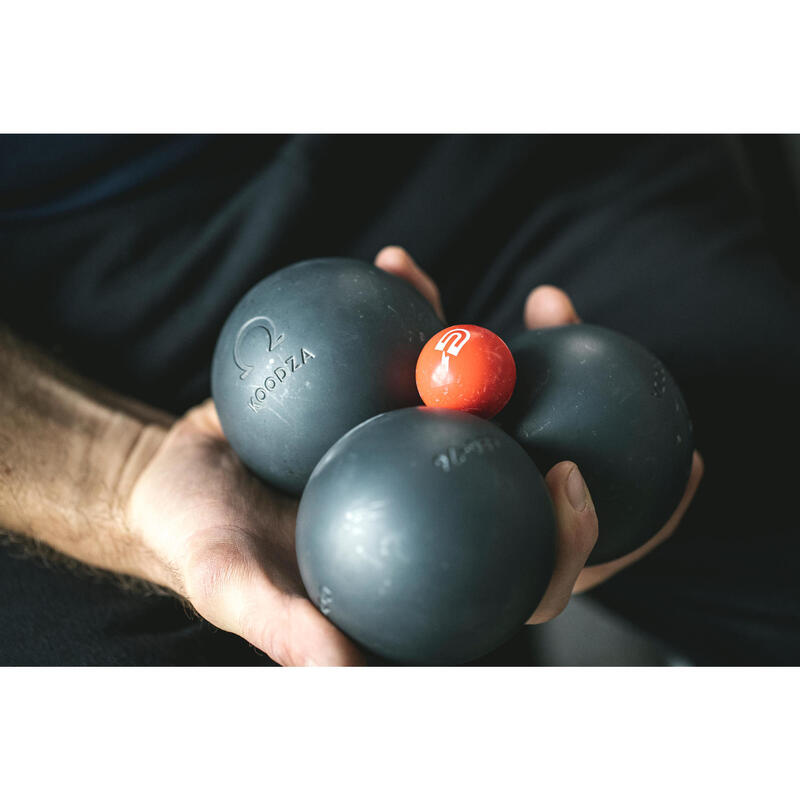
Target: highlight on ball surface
<point x="466" y="368"/>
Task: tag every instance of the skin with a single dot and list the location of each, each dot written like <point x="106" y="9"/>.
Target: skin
<point x="124" y="487"/>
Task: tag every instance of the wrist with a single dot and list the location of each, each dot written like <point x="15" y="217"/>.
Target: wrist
<point x="70" y="452"/>
<point x="143" y="559"/>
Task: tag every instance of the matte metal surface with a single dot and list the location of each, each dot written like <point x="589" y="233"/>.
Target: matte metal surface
<point x="426" y="535"/>
<point x="596" y="397"/>
<point x="310" y="352"/>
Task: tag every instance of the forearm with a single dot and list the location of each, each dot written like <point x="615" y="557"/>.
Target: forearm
<point x="69" y="454"/>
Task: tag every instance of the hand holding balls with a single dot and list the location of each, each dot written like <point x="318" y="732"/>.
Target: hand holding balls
<point x="427" y="534"/>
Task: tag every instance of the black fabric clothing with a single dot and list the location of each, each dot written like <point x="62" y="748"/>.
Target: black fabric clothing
<point x="123" y="255"/>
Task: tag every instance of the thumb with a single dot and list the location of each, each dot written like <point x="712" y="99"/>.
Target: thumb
<point x="576" y="526"/>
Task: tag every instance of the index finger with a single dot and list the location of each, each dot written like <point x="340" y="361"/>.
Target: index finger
<point x="397" y="261"/>
<point x="548" y="306"/>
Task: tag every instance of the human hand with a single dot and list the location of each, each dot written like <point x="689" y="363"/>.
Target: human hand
<point x="224" y="540"/>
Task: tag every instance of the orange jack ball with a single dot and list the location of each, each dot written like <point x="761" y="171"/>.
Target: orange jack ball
<point x="466" y="368"/>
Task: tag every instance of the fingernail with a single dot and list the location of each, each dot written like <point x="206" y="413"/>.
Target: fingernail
<point x="310" y="662"/>
<point x="577" y="493"/>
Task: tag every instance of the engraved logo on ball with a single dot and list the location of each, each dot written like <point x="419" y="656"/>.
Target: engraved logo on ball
<point x="325" y="600"/>
<point x="455" y="456"/>
<point x="659" y="386"/>
<point x="265" y="328"/>
<point x="260" y="324"/>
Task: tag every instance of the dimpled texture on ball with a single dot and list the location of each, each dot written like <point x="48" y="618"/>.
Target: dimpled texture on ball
<point x="310" y="352"/>
<point x="593" y="396"/>
<point x="427" y="536"/>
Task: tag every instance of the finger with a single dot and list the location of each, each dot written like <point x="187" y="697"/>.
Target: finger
<point x="548" y="306"/>
<point x="592" y="576"/>
<point x="228" y="587"/>
<point x="397" y="261"/>
<point x="576" y="524"/>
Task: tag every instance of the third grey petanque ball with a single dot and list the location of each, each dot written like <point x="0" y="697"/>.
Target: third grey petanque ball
<point x="593" y="396"/>
<point x="310" y="352"/>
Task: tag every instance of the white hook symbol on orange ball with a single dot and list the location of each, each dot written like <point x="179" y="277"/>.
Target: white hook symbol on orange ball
<point x="451" y="343"/>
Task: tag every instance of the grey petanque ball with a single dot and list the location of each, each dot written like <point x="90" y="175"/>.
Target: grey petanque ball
<point x="593" y="396"/>
<point x="310" y="352"/>
<point x="427" y="536"/>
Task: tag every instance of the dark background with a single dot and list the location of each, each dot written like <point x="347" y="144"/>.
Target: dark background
<point x="123" y="255"/>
